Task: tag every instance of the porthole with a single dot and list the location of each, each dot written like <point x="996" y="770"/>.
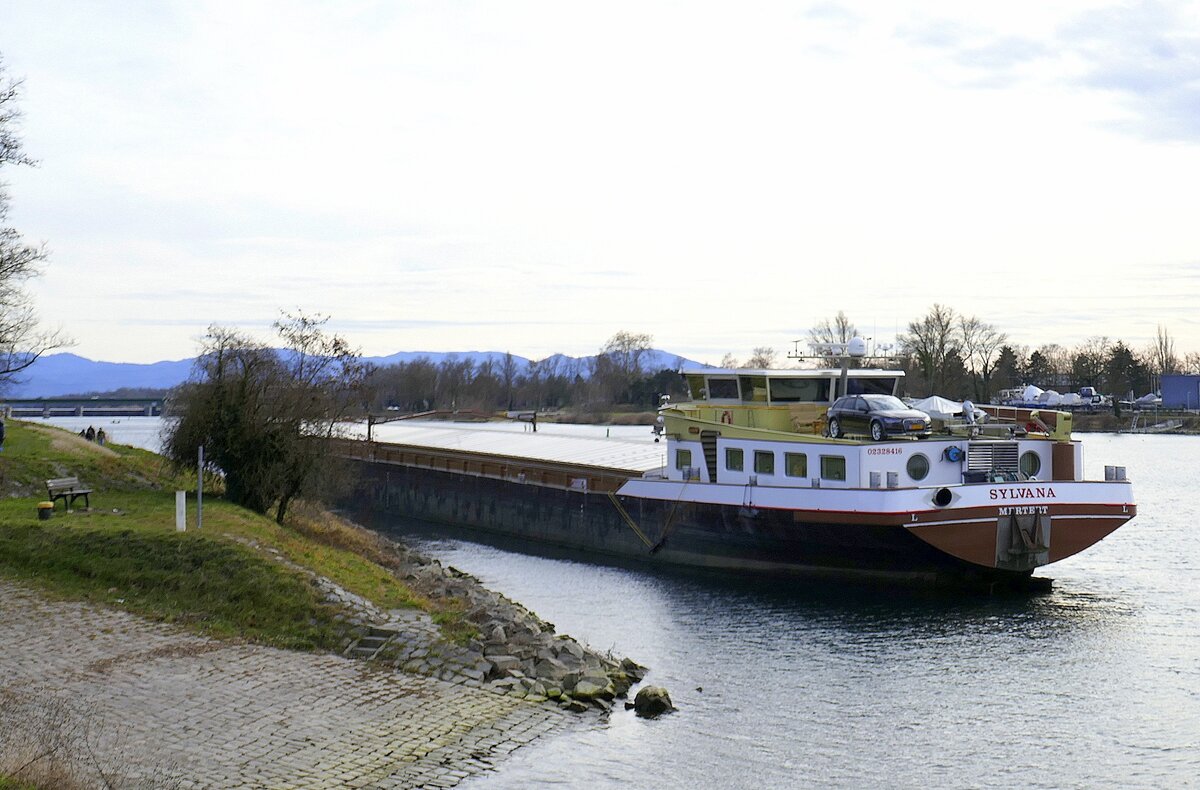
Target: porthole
<point x="918" y="467"/>
<point x="1031" y="463"/>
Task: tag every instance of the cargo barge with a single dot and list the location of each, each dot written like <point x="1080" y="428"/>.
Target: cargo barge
<point x="746" y="479"/>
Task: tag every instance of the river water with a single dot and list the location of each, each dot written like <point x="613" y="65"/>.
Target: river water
<point x="1094" y="684"/>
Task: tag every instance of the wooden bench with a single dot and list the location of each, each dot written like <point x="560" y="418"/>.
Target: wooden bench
<point x="68" y="489"/>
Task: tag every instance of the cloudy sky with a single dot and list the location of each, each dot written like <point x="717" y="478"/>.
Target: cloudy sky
<point x="533" y="177"/>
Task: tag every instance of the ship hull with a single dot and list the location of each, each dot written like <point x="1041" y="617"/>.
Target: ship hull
<point x="662" y="526"/>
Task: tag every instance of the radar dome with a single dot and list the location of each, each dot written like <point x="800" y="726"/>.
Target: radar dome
<point x="857" y="347"/>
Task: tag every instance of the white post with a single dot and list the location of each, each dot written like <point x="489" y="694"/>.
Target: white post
<point x="180" y="511"/>
<point x="200" y="490"/>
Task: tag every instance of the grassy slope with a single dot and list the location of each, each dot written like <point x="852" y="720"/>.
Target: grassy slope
<point x="126" y="552"/>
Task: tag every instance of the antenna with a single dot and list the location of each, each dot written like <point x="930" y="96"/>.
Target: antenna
<point x="854" y="348"/>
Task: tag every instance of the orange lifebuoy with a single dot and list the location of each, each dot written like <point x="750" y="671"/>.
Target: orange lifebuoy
<point x="727" y="417"/>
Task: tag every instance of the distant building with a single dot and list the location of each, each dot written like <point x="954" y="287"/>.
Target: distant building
<point x="1181" y="391"/>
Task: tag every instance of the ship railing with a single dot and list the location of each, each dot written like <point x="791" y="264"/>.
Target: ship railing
<point x="550" y="474"/>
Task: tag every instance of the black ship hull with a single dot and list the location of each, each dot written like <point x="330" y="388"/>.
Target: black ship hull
<point x="600" y="525"/>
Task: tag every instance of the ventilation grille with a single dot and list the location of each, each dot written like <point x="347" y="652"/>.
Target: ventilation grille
<point x="992" y="457"/>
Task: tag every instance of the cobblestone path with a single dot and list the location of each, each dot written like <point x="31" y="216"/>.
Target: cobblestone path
<point x="195" y="712"/>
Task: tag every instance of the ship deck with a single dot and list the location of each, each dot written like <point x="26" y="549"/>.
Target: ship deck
<point x="628" y="450"/>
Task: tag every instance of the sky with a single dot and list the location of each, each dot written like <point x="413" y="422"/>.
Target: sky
<point x="533" y="177"/>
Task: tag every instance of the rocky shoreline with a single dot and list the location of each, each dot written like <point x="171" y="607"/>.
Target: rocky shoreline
<point x="516" y="653"/>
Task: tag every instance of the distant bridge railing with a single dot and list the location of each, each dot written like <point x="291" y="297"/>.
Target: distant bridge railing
<point x="82" y="407"/>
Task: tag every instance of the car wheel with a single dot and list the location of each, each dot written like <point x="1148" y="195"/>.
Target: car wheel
<point x="877" y="430"/>
<point x="835" y="429"/>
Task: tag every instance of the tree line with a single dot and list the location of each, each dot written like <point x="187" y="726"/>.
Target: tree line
<point x="618" y="374"/>
<point x="955" y="355"/>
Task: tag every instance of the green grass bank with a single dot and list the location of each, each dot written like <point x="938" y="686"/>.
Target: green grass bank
<point x="223" y="580"/>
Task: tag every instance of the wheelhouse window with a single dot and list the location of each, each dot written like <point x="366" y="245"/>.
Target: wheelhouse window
<point x="799" y="390"/>
<point x="734" y="459"/>
<point x="795" y="464"/>
<point x="875" y="385"/>
<point x="764" y="462"/>
<point x="683" y="459"/>
<point x="833" y="467"/>
<point x="754" y="388"/>
<point x="722" y="389"/>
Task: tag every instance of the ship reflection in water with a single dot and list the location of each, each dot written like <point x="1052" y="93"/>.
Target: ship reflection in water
<point x="1096" y="683"/>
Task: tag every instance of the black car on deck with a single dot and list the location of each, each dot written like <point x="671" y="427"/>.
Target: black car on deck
<point x="879" y="416"/>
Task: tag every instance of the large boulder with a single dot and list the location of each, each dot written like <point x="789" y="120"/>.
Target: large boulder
<point x="590" y="688"/>
<point x="652" y="701"/>
<point x="505" y="663"/>
<point x="634" y="670"/>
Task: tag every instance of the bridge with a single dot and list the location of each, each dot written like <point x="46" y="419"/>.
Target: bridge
<point x="82" y="407"/>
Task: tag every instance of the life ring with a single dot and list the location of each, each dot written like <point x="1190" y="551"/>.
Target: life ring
<point x="727" y="417"/>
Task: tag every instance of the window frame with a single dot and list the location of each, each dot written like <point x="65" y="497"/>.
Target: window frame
<point x="828" y="458"/>
<point x="787" y="467"/>
<point x="908" y="466"/>
<point x="1037" y="459"/>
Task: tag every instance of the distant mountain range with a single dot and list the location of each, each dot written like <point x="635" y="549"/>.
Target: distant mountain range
<point x="70" y="374"/>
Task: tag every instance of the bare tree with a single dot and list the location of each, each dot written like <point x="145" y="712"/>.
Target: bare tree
<point x="22" y="341"/>
<point x="1057" y="361"/>
<point x="763" y="358"/>
<point x="1161" y="354"/>
<point x="1191" y="363"/>
<point x="981" y="343"/>
<point x="729" y="361"/>
<point x="1089" y="363"/>
<point x="508" y="378"/>
<point x="932" y="341"/>
<point x="265" y="418"/>
<point x="619" y="364"/>
<point x="839" y="330"/>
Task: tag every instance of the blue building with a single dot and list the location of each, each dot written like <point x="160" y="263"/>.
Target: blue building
<point x="1181" y="391"/>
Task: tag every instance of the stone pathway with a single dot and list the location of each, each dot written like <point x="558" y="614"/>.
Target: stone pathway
<point x="169" y="708"/>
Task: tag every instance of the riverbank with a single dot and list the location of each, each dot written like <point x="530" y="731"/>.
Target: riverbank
<point x="1137" y="422"/>
<point x="318" y="596"/>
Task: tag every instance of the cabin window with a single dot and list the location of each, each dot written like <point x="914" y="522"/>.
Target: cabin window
<point x="722" y="389"/>
<point x="918" y="467"/>
<point x="833" y="467"/>
<point x="734" y="459"/>
<point x="1031" y="464"/>
<point x="754" y="388"/>
<point x="683" y="459"/>
<point x="799" y="390"/>
<point x="871" y="386"/>
<point x="795" y="464"/>
<point x="764" y="462"/>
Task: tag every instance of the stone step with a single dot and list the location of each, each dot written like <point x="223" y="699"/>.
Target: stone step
<point x="368" y="646"/>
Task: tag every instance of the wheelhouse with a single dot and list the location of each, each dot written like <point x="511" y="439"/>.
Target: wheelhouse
<point x="784" y="387"/>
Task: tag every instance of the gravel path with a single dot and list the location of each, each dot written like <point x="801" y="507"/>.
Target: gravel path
<point x="152" y="705"/>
